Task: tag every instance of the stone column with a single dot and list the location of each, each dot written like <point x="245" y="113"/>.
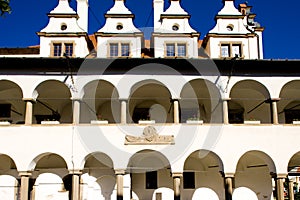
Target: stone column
<point x="176" y="111"/>
<point x="279" y="180"/>
<point x="123" y="111"/>
<point x="176" y="184"/>
<point x="119" y="176"/>
<point x="225" y="111"/>
<point x="29" y="110"/>
<point x="274" y="110"/>
<point x="75" y="184"/>
<point x="291" y="189"/>
<point x="24" y="185"/>
<point x="228" y="184"/>
<point x="76" y="111"/>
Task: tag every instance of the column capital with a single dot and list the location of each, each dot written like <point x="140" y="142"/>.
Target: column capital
<point x="123" y="99"/>
<point x="75" y="171"/>
<point x="76" y="99"/>
<point x="281" y="176"/>
<point x="226" y="99"/>
<point x="275" y="99"/>
<point x="25" y="173"/>
<point x="228" y="175"/>
<point x="120" y="171"/>
<point x="177" y="174"/>
<point x="32" y="100"/>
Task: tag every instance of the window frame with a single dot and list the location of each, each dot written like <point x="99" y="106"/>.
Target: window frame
<point x="176" y="52"/>
<point x="230" y="49"/>
<point x="63" y="48"/>
<point x="119" y="49"/>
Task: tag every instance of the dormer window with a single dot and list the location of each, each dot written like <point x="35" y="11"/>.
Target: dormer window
<point x="231" y="50"/>
<point x="119" y="49"/>
<point x="175" y="50"/>
<point x="62" y="49"/>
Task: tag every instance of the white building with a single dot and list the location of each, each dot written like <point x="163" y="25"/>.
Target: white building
<point x="114" y="124"/>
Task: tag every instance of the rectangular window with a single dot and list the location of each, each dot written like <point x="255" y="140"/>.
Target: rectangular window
<point x="181" y="49"/>
<point x="5" y="110"/>
<point x="113" y="49"/>
<point x="151" y="180"/>
<point x="63" y="49"/>
<point x="175" y="49"/>
<point x="231" y="50"/>
<point x="236" y="50"/>
<point x="189" y="180"/>
<point x="124" y="49"/>
<point x="225" y="50"/>
<point x="57" y="47"/>
<point x="119" y="49"/>
<point x="69" y="49"/>
<point x="170" y="50"/>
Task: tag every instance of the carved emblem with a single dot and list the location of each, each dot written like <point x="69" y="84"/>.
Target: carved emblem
<point x="149" y="136"/>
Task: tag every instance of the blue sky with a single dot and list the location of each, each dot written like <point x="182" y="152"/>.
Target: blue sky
<point x="280" y="19"/>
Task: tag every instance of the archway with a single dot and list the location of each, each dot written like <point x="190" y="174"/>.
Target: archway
<point x="289" y="104"/>
<point x="98" y="177"/>
<point x="149" y="170"/>
<point x="250" y="100"/>
<point x="53" y="103"/>
<point x="201" y="99"/>
<point x="202" y="169"/>
<point x="254" y="171"/>
<point x="294" y="173"/>
<point x="100" y="102"/>
<point x="12" y="107"/>
<point x="150" y="100"/>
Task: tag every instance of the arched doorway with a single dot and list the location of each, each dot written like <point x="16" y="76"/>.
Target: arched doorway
<point x="150" y="100"/>
<point x="249" y="101"/>
<point x="289" y="104"/>
<point x="202" y="169"/>
<point x="53" y="103"/>
<point x="100" y="102"/>
<point x="201" y="100"/>
<point x="149" y="170"/>
<point x="254" y="171"/>
<point x="12" y="107"/>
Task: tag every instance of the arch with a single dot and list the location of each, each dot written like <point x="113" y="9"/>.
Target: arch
<point x="201" y="98"/>
<point x="151" y="170"/>
<point x="205" y="194"/>
<point x="50" y="162"/>
<point x="8" y="166"/>
<point x="97" y="159"/>
<point x="100" y="101"/>
<point x="289" y="104"/>
<point x="254" y="99"/>
<point x="12" y="106"/>
<point x="53" y="102"/>
<point x="243" y="193"/>
<point x="254" y="171"/>
<point x="150" y="99"/>
<point x="203" y="169"/>
<point x="293" y="167"/>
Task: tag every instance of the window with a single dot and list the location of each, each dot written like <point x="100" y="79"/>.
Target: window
<point x="176" y="49"/>
<point x="5" y="110"/>
<point x="189" y="180"/>
<point x="151" y="180"/>
<point x="231" y="50"/>
<point x="119" y="50"/>
<point x="63" y="49"/>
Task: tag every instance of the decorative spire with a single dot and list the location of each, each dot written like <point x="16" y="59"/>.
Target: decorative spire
<point x="229" y="8"/>
<point x="175" y="8"/>
<point x="63" y="7"/>
<point x="119" y="8"/>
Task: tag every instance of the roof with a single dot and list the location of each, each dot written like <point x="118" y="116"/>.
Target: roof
<point x="208" y="67"/>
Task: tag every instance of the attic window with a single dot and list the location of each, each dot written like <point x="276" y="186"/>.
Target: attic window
<point x="175" y="27"/>
<point x="230" y="27"/>
<point x="119" y="27"/>
<point x="63" y="27"/>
